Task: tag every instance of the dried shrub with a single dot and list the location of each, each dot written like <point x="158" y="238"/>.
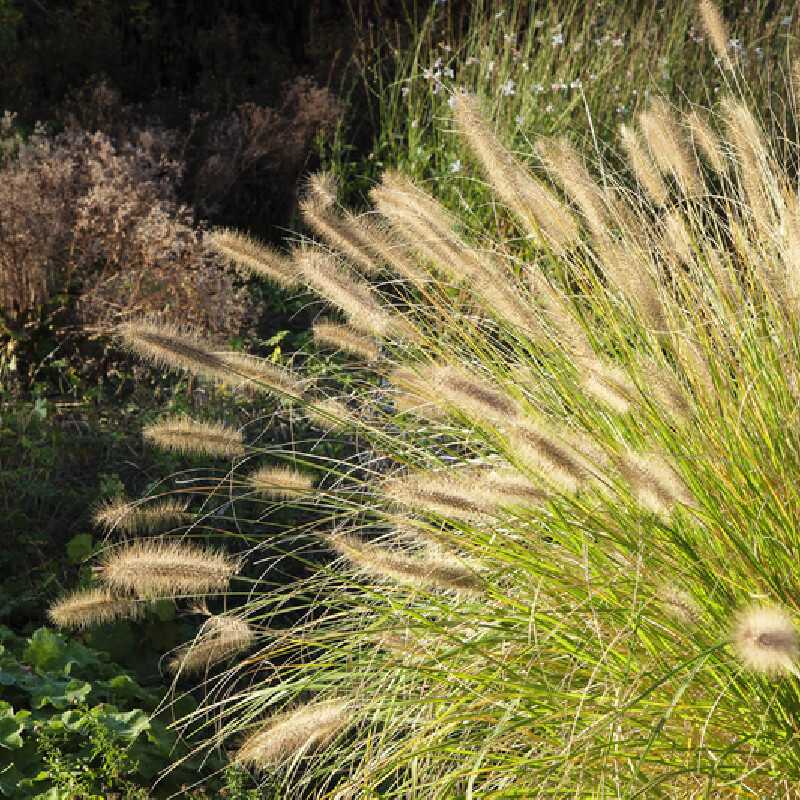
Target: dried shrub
<point x="99" y="221"/>
<point x="255" y="142"/>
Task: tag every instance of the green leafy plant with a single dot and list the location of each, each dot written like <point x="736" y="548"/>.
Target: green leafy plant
<point x="75" y="725"/>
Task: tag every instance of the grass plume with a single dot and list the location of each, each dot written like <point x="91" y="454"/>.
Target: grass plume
<point x="254" y="257"/>
<point x="86" y="608"/>
<point x="220" y="637"/>
<point x="150" y="517"/>
<point x="165" y="568"/>
<point x="296" y="732"/>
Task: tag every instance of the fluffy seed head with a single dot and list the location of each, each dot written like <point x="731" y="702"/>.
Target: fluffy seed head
<point x="323" y="188"/>
<point x="706" y="140"/>
<point x="679" y="605"/>
<point x="120" y="514"/>
<point x="552" y="454"/>
<point x="655" y="483"/>
<point x="716" y="30"/>
<point x="642" y="166"/>
<point x="220" y="637"/>
<point x="254" y="257"/>
<point x="468" y="493"/>
<point x="564" y="162"/>
<point x="87" y="607"/>
<point x="630" y="268"/>
<point x="436" y="571"/>
<point x="170" y="347"/>
<point x="678" y="240"/>
<point x="532" y="202"/>
<point x="765" y="640"/>
<point x="330" y="414"/>
<point x="184" y="435"/>
<point x="343" y="289"/>
<point x="668" y="147"/>
<point x="470" y="395"/>
<point x="607" y="383"/>
<point x="290" y="734"/>
<point x="337" y="231"/>
<point x="386" y="247"/>
<point x="752" y="159"/>
<point x="281" y="482"/>
<point x="556" y="311"/>
<point x="426" y="226"/>
<point x="164" y="568"/>
<point x="347" y="338"/>
<point x="243" y="370"/>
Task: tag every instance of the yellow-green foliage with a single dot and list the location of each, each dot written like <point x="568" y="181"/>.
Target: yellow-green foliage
<point x="563" y="556"/>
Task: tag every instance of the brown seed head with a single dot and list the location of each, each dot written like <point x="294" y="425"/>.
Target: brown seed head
<point x="164" y="568"/>
<point x="185" y="435"/>
<point x="281" y="482"/>
<point x="87" y="607"/>
<point x="765" y="639"/>
<point x="716" y="30"/>
<point x="434" y="571"/>
<point x="220" y="637"/>
<point x="148" y="517"/>
<point x="254" y="257"/>
<point x="299" y="731"/>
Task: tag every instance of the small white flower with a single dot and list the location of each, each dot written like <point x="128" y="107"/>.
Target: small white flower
<point x="538" y="88"/>
<point x="735" y="44"/>
<point x="549" y="108"/>
<point x="499" y="14"/>
<point x="414" y="123"/>
<point x="576" y="84"/>
<point x="617" y="42"/>
<point x="621" y="109"/>
<point x="404" y="91"/>
<point x="448" y="72"/>
<point x="455" y="166"/>
<point x="427" y="74"/>
<point x="557" y="38"/>
<point x="525" y="66"/>
<point x="490" y="68"/>
<point x="508" y="88"/>
<point x="519" y="119"/>
<point x="437" y="63"/>
<point x="538" y="23"/>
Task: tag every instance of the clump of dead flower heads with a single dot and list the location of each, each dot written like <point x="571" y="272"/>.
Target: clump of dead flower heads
<point x="562" y="537"/>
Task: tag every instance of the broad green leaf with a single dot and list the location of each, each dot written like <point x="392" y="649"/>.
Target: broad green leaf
<point x="10" y="733"/>
<point x="128" y="724"/>
<point x="79" y="548"/>
<point x="44" y="650"/>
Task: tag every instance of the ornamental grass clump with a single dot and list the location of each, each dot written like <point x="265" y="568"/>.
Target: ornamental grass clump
<point x="554" y="555"/>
